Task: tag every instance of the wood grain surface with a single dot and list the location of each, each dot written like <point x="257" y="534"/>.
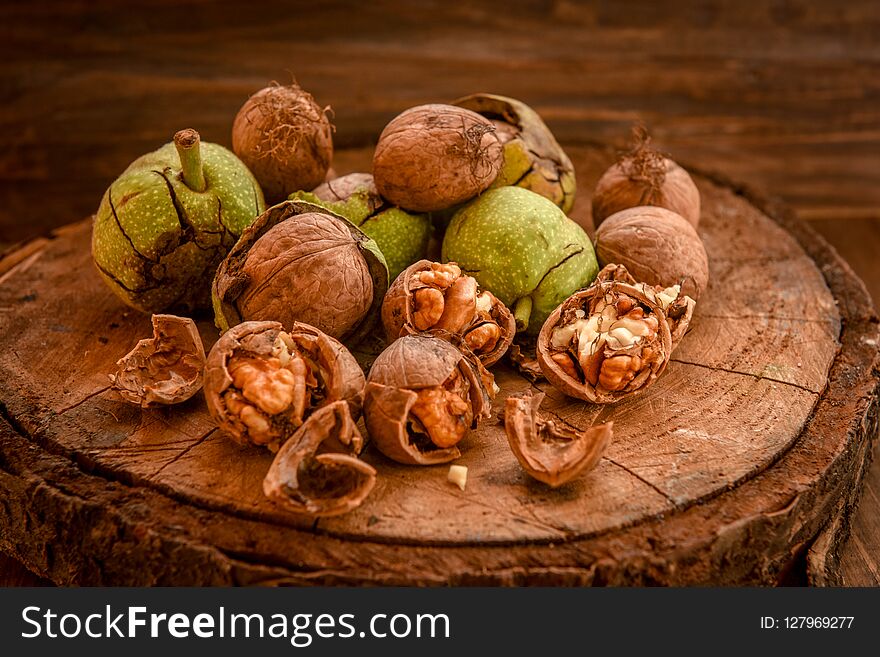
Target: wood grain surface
<point x="781" y="95"/>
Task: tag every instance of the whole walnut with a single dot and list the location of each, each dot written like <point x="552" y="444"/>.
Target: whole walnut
<point x="301" y="262"/>
<point x="432" y="157"/>
<point x="657" y="246"/>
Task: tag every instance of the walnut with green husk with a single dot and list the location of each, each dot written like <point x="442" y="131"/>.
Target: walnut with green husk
<point x="533" y="159"/>
<point x="435" y="296"/>
<point x="613" y="339"/>
<point x="523" y="249"/>
<point x="547" y="449"/>
<point x="301" y="263"/>
<point x="262" y="382"/>
<point x="164" y="369"/>
<point x="317" y="472"/>
<point x="166" y="223"/>
<point x="401" y="236"/>
<point x="422" y="397"/>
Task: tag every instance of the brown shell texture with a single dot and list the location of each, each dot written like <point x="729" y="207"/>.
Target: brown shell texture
<point x="646" y="177"/>
<point x="285" y="139"/>
<point x="298" y="262"/>
<point x="547" y="449"/>
<point x="398" y="310"/>
<point x="338" y="374"/>
<point x="165" y="369"/>
<point x="408" y="365"/>
<point x="614" y="281"/>
<point x="341" y="189"/>
<point x="321" y="484"/>
<point x="432" y="157"/>
<point x="657" y="246"/>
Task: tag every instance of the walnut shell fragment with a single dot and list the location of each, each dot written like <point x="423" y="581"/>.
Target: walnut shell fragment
<point x="301" y="262"/>
<point x="550" y="451"/>
<point x="533" y="159"/>
<point x="432" y="157"/>
<point x="262" y="382"/>
<point x="423" y="394"/>
<point x="164" y="369"/>
<point x="613" y="339"/>
<point x="433" y="296"/>
<point x="321" y="484"/>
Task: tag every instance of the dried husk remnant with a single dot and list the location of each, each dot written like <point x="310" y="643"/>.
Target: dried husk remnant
<point x="423" y="394"/>
<point x="164" y="369"/>
<point x="301" y="262"/>
<point x="657" y="246"/>
<point x="432" y="157"/>
<point x="285" y="139"/>
<point x="613" y="339"/>
<point x="263" y="382"/>
<point x="533" y="159"/>
<point x="646" y="177"/>
<point x="317" y="472"/>
<point x="549" y="450"/>
<point x="435" y="296"/>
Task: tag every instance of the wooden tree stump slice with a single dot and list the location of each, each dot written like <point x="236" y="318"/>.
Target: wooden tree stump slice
<point x="727" y="471"/>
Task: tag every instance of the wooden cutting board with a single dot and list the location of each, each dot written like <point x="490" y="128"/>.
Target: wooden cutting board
<point x="740" y="465"/>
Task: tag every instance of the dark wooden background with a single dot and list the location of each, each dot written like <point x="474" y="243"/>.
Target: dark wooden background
<point x="783" y="95"/>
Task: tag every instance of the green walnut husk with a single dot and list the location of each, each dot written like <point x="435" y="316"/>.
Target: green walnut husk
<point x="523" y="249"/>
<point x="313" y="266"/>
<point x="166" y="223"/>
<point x="402" y="236"/>
<point x="533" y="159"/>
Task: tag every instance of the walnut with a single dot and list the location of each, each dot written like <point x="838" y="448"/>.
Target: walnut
<point x="164" y="369"/>
<point x="317" y="472"/>
<point x="262" y="382"/>
<point x="434" y="296"/>
<point x="423" y="394"/>
<point x="551" y="451"/>
<point x="300" y="262"/>
<point x="432" y="157"/>
<point x="657" y="246"/>
<point x="614" y="338"/>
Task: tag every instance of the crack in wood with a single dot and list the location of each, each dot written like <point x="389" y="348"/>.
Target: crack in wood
<point x="759" y="377"/>
<point x="184" y="452"/>
<point x="83" y="400"/>
<point x="643" y="480"/>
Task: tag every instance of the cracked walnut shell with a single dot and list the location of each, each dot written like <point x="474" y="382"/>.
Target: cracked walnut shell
<point x="613" y="339"/>
<point x="433" y="296"/>
<point x="423" y="394"/>
<point x="262" y="382"/>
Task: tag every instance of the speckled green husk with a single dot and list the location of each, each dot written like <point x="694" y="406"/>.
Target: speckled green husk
<point x="157" y="242"/>
<point x="402" y="236"/>
<point x="522" y="248"/>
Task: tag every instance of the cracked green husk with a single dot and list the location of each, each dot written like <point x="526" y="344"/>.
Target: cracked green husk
<point x="156" y="241"/>
<point x="523" y="249"/>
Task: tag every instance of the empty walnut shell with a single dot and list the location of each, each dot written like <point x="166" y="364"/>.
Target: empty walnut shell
<point x="321" y="484"/>
<point x="432" y="157"/>
<point x="262" y="382"/>
<point x="533" y="159"/>
<point x="548" y="450"/>
<point x="657" y="246"/>
<point x="299" y="262"/>
<point x="613" y="339"/>
<point x="430" y="295"/>
<point x="164" y="369"/>
<point x="423" y="394"/>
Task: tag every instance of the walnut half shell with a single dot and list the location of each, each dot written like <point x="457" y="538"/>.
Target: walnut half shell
<point x="423" y="394"/>
<point x="614" y="338"/>
<point x="321" y="484"/>
<point x="547" y="450"/>
<point x="164" y="369"/>
<point x="262" y="382"/>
